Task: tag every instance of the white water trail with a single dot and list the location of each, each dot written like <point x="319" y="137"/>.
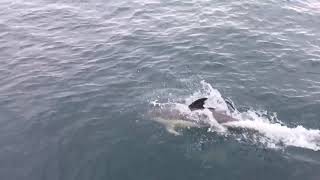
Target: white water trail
<point x="273" y="133"/>
<point x="276" y="134"/>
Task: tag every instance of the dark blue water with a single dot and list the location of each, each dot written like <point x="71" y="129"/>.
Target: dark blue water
<point x="77" y="78"/>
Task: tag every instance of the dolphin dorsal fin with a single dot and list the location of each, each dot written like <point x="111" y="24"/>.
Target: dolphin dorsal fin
<point x="198" y="104"/>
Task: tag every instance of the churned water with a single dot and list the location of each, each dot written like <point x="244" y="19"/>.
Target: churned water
<point x="77" y="80"/>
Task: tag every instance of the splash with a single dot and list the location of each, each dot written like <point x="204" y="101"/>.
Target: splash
<point x="266" y="129"/>
<point x="215" y="99"/>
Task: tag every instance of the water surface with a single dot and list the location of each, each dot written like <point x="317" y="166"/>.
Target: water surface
<point x="77" y="79"/>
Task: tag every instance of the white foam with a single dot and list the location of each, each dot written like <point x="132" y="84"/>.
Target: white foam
<point x="275" y="134"/>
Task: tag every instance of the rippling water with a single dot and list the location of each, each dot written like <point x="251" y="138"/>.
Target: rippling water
<point x="77" y="79"/>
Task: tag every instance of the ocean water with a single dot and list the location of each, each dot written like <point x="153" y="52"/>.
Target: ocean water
<point x="78" y="79"/>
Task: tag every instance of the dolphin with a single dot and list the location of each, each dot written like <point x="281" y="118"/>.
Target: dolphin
<point x="220" y="116"/>
<point x="173" y="118"/>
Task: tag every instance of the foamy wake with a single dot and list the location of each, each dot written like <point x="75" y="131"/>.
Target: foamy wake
<point x="267" y="130"/>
